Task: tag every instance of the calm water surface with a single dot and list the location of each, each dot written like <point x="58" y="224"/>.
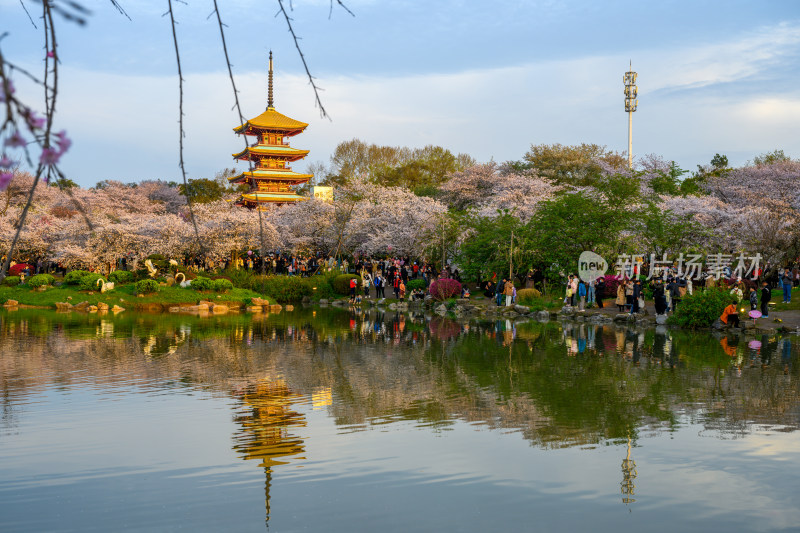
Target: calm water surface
<point x="334" y="420"/>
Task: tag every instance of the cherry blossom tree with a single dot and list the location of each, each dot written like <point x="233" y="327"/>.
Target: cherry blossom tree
<point x="487" y="188"/>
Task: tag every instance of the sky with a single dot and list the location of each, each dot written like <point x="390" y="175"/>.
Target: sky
<point x="484" y="78"/>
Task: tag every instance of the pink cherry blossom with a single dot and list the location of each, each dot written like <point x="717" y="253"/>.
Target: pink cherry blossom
<point x="5" y="162"/>
<point x="5" y="179"/>
<point x="35" y="122"/>
<point x="50" y="156"/>
<point x="15" y="140"/>
<point x="63" y="141"/>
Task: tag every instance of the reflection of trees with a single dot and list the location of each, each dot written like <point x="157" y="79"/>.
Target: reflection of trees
<point x="266" y="420"/>
<point x="561" y="384"/>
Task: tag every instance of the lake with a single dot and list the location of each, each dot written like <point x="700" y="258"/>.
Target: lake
<point x="360" y="420"/>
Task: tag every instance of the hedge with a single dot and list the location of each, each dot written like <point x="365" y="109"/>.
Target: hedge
<point x="341" y="283"/>
<point x="418" y="283"/>
<point x="525" y="296"/>
<point x="121" y="276"/>
<point x="11" y="281"/>
<point x="40" y="280"/>
<point x="146" y="286"/>
<point x="202" y="284"/>
<point x="74" y="277"/>
<point x="222" y="285"/>
<point x="701" y="309"/>
<point x="89" y="282"/>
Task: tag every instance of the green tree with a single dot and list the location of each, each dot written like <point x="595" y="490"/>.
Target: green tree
<point x="668" y="182"/>
<point x="488" y="248"/>
<point x="659" y="231"/>
<point x="768" y="158"/>
<point x="575" y="165"/>
<point x="719" y="161"/>
<point x="420" y="169"/>
<point x="203" y="190"/>
<point x="64" y="183"/>
<point x="564" y="227"/>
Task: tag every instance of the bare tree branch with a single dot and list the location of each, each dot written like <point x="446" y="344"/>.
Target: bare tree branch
<point x="120" y="9"/>
<point x="314" y="86"/>
<point x="182" y="134"/>
<point x="241" y="121"/>
<point x="22" y="3"/>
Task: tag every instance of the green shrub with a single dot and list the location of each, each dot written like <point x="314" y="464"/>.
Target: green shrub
<point x="120" y="276"/>
<point x="156" y="257"/>
<point x="74" y="277"/>
<point x="701" y="309"/>
<point x="418" y="283"/>
<point x="341" y="283"/>
<point x="146" y="286"/>
<point x="239" y="277"/>
<point x="222" y="285"/>
<point x="40" y="280"/>
<point x="201" y="284"/>
<point x="284" y="288"/>
<point x="322" y="286"/>
<point x="11" y="281"/>
<point x="89" y="282"/>
<point x="528" y="296"/>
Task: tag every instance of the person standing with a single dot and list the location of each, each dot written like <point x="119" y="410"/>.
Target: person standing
<point x="637" y="294"/>
<point x="766" y="296"/>
<point x="674" y="293"/>
<point x="629" y="294"/>
<point x="753" y="299"/>
<point x="574" y="287"/>
<point x="621" y="296"/>
<point x="599" y="291"/>
<point x="396" y="284"/>
<point x="590" y="292"/>
<point x="381" y="286"/>
<point x="581" y="295"/>
<point x="509" y="292"/>
<point x="659" y="298"/>
<point x="366" y="282"/>
<point x="786" y="285"/>
<point x="500" y="289"/>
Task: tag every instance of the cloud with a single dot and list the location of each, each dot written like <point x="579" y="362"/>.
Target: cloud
<point x="125" y="127"/>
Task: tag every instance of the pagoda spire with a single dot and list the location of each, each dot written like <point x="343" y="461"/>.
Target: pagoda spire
<point x="269" y="89"/>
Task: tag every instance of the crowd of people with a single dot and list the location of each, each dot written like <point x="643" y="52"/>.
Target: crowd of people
<point x="669" y="289"/>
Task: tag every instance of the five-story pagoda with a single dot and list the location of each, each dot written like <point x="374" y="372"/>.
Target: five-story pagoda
<point x="270" y="177"/>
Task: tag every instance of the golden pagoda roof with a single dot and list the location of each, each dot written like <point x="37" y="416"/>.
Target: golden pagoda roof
<point x="272" y="120"/>
<point x="271" y="174"/>
<point x="269" y="149"/>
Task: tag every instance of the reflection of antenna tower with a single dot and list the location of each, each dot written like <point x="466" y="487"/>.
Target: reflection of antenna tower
<point x="265" y="423"/>
<point x="627" y="487"/>
<point x="631" y="103"/>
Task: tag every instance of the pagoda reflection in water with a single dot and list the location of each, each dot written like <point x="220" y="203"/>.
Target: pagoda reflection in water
<point x="266" y="419"/>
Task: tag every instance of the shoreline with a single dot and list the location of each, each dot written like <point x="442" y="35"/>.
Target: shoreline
<point x="478" y="308"/>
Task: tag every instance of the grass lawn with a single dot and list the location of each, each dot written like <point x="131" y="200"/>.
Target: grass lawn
<point x="123" y="295"/>
<point x="777" y="297"/>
